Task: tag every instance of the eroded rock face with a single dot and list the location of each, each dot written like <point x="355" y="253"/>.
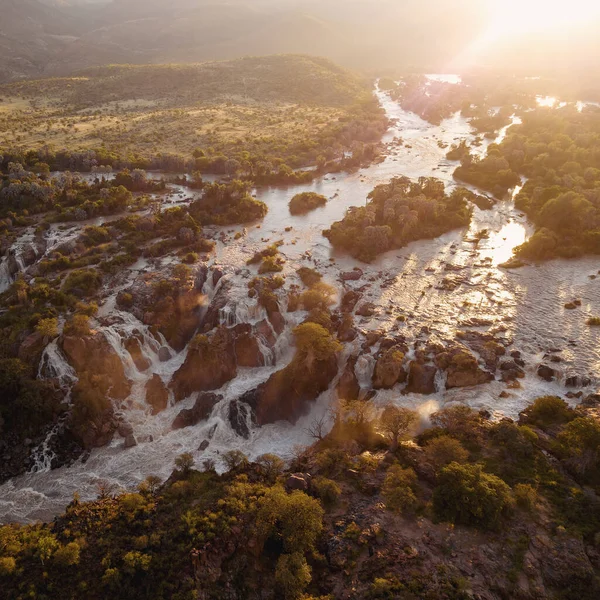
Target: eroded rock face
<point x="93" y="354"/>
<point x="421" y="378"/>
<point x="286" y="395"/>
<point x="31" y="349"/>
<point x="199" y="412"/>
<point x="389" y="369"/>
<point x="157" y="395"/>
<point x="247" y="348"/>
<point x="464" y="371"/>
<point x="348" y="387"/>
<point x="210" y="364"/>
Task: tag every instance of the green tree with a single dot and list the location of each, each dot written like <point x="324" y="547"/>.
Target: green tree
<point x="292" y="575"/>
<point x="443" y="450"/>
<point x="399" y="489"/>
<point x="47" y="328"/>
<point x="467" y="495"/>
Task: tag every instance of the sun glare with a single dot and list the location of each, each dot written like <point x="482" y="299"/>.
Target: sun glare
<point x="518" y="17"/>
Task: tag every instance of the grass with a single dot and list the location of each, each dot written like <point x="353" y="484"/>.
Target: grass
<point x="271" y="105"/>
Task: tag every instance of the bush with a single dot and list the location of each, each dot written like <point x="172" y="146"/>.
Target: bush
<point x="593" y="322"/>
<point x="398" y="489"/>
<point x="467" y="495"/>
<point x="47" y="327"/>
<point x="309" y="277"/>
<point x="305" y="202"/>
<point x="580" y="441"/>
<point x="327" y="490"/>
<point x="320" y="296"/>
<point x="184" y="462"/>
<point x="8" y="565"/>
<point x="78" y="325"/>
<point x="270" y="265"/>
<point x="547" y="411"/>
<point x="443" y="450"/>
<point x="82" y="281"/>
<point x="525" y="496"/>
<point x="271" y="464"/>
<point x="67" y="556"/>
<point x="235" y="460"/>
<point x="314" y="342"/>
<point x="292" y="575"/>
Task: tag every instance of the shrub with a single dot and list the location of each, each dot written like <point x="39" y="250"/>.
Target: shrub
<point x="292" y="575"/>
<point x="47" y="327"/>
<point x="443" y="450"/>
<point x="270" y="265"/>
<point x="8" y="565"/>
<point x="525" y="496"/>
<point x="327" y="490"/>
<point x="320" y="296"/>
<point x="67" y="556"/>
<point x="271" y="464"/>
<point x="593" y="322"/>
<point x="314" y="342"/>
<point x="84" y="281"/>
<point x="467" y="495"/>
<point x="547" y="411"/>
<point x="305" y="202"/>
<point x="184" y="462"/>
<point x="398" y="489"/>
<point x="309" y="277"/>
<point x="77" y="325"/>
<point x="234" y="460"/>
<point x="580" y="440"/>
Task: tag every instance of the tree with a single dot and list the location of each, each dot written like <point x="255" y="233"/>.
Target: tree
<point x="443" y="450"/>
<point x="398" y="488"/>
<point x="234" y="460"/>
<point x="271" y="464"/>
<point x="292" y="575"/>
<point x="67" y="556"/>
<point x="295" y="519"/>
<point x="468" y="495"/>
<point x="580" y="440"/>
<point x="396" y="422"/>
<point x="184" y="462"/>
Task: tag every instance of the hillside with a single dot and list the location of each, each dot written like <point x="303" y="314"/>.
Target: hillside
<point x="282" y="101"/>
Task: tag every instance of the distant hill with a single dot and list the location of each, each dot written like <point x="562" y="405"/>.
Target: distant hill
<point x="58" y="37"/>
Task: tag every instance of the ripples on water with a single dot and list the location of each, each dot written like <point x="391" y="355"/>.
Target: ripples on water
<point x="525" y="305"/>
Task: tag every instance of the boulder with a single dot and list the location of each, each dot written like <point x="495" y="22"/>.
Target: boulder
<point x="209" y="365"/>
<point x="366" y="309"/>
<point x="349" y="300"/>
<point x="157" y="395"/>
<point x="592" y="400"/>
<point x="388" y="369"/>
<point x="298" y="481"/>
<point x="464" y="371"/>
<point x="421" y="378"/>
<point x="354" y="275"/>
<point x="577" y="381"/>
<point x="204" y="445"/>
<point x="546" y="373"/>
<point x="199" y="412"/>
<point x="130" y="441"/>
<point x="164" y="354"/>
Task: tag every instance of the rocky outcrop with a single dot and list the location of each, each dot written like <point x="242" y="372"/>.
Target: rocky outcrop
<point x="31" y="349"/>
<point x="286" y="395"/>
<point x="199" y="412"/>
<point x="463" y="369"/>
<point x="240" y="418"/>
<point x="157" y="395"/>
<point x="389" y="368"/>
<point x="210" y="364"/>
<point x="546" y="373"/>
<point x="348" y="387"/>
<point x="93" y="354"/>
<point x="247" y="348"/>
<point x="421" y="378"/>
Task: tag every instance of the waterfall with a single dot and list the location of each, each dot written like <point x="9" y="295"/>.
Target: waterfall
<point x="5" y="276"/>
<point x="53" y="365"/>
<point x="440" y="381"/>
<point x="365" y="365"/>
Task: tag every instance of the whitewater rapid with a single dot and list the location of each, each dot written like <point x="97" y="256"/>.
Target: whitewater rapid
<point x="526" y="306"/>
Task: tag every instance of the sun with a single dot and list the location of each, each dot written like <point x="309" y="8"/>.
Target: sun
<point x="520" y="17"/>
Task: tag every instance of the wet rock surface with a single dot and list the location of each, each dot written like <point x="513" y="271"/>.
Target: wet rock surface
<point x="199" y="412"/>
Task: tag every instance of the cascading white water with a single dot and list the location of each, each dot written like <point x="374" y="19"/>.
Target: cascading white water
<point x="54" y="365"/>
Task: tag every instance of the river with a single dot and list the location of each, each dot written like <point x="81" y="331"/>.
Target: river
<point x="524" y="305"/>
